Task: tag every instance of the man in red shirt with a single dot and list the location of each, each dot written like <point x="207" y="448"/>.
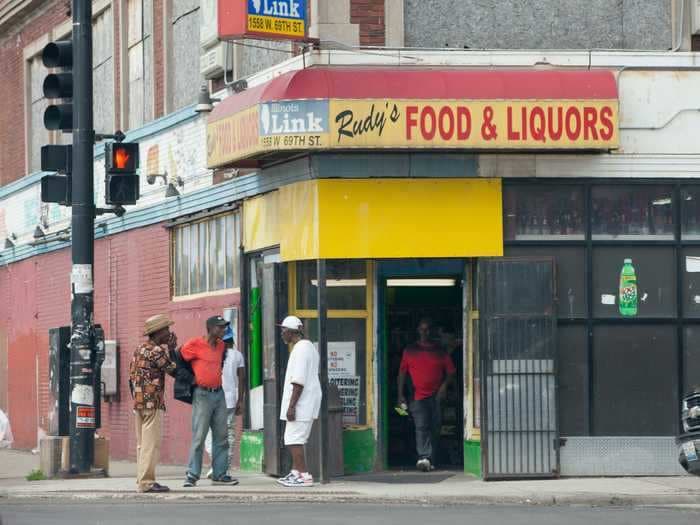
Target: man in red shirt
<point x="206" y="354"/>
<point x="431" y="371"/>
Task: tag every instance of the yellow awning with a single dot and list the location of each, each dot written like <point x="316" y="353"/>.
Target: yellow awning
<point x="378" y="218"/>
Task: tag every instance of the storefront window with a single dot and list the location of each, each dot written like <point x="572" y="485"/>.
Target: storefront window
<point x="346" y="363"/>
<point x="539" y="212"/>
<point x="635" y="380"/>
<point x="572" y="375"/>
<point x="690" y="270"/>
<point x="651" y="292"/>
<point x="632" y="212"/>
<point x="691" y="358"/>
<point x="346" y="285"/>
<point x="570" y="272"/>
<point x="690" y="212"/>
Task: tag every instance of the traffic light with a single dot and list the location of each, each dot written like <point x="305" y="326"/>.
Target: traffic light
<point x="58" y="116"/>
<point x="121" y="164"/>
<point x="59" y="55"/>
<point x="56" y="188"/>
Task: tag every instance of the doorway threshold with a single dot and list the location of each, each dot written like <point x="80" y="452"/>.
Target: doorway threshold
<point x="401" y="477"/>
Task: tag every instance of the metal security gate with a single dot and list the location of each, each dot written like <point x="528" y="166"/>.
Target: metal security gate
<point x="274" y="309"/>
<point x="518" y="368"/>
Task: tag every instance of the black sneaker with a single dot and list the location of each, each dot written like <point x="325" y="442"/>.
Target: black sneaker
<point x="189" y="482"/>
<point x="224" y="480"/>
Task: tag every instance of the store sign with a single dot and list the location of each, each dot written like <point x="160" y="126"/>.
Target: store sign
<point x="342" y="359"/>
<point x="418" y="124"/>
<point x="349" y="391"/>
<point x="272" y="19"/>
<point x="232" y="138"/>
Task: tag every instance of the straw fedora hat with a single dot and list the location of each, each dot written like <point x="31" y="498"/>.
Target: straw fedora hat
<point x="155" y="323"/>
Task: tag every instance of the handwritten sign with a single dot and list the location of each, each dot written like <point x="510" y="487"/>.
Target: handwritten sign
<point x="349" y="390"/>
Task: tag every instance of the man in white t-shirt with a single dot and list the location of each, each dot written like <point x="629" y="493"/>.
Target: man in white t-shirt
<point x="233" y="383"/>
<point x="301" y="399"/>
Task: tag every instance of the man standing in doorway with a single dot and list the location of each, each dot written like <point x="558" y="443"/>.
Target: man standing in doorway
<point x="149" y="364"/>
<point x="301" y="399"/>
<point x="206" y="354"/>
<point x="233" y="382"/>
<point x="431" y="371"/>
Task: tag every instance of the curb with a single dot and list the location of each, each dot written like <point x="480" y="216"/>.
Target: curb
<point x="595" y="500"/>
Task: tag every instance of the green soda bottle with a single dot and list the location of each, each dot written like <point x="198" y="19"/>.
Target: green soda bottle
<point x="628" y="290"/>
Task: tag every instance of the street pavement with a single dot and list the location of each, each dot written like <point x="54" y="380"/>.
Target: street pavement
<point x="337" y="514"/>
<point x="436" y="488"/>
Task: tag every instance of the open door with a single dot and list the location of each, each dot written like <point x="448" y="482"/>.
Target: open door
<point x="274" y="308"/>
<point x="520" y="436"/>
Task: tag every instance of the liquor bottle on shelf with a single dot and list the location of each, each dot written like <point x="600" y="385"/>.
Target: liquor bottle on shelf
<point x="645" y="222"/>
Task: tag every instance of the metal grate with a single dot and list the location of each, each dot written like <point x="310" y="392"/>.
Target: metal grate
<point x="518" y="353"/>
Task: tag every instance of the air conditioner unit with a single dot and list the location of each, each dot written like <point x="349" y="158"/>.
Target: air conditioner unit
<point x="695" y="17"/>
<point x="212" y="61"/>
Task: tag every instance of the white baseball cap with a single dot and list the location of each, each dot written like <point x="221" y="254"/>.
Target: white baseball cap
<point x="292" y="322"/>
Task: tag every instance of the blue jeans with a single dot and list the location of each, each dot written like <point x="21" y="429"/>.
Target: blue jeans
<point x="427" y="418"/>
<point x="209" y="411"/>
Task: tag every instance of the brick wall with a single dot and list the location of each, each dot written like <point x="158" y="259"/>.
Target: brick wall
<point x="370" y="15"/>
<point x="131" y="284"/>
<point x="23" y="31"/>
<point x="13" y="39"/>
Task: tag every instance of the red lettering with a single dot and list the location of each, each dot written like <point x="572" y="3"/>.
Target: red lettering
<point x="555" y="134"/>
<point x="523" y="122"/>
<point x="590" y="117"/>
<point x="411" y="121"/>
<point x="573" y="123"/>
<point x="512" y="135"/>
<point x="538" y="127"/>
<point x="428" y="133"/>
<point x="464" y="123"/>
<point x="446" y="115"/>
<point x="606" y="132"/>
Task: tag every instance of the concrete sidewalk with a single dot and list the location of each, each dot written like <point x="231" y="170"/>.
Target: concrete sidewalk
<point x="440" y="488"/>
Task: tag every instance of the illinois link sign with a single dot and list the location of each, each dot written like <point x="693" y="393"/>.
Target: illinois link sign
<point x="271" y="19"/>
<point x="414" y="124"/>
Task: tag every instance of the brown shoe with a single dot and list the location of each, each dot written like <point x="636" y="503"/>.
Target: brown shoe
<point x="157" y="488"/>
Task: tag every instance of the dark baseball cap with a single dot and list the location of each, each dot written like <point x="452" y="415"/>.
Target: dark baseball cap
<point x="216" y="320"/>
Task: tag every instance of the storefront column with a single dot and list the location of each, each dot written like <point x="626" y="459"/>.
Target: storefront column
<point x="323" y="368"/>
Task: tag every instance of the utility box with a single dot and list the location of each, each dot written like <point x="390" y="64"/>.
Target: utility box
<point x="59" y="381"/>
<point x="110" y="367"/>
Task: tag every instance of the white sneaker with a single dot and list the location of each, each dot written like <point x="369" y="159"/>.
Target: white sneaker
<point x="209" y="474"/>
<point x="424" y="465"/>
<point x="302" y="480"/>
<point x="292" y="474"/>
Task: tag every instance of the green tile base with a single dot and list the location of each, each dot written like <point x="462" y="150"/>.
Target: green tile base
<point x="472" y="458"/>
<point x="358" y="450"/>
<point x="252" y="451"/>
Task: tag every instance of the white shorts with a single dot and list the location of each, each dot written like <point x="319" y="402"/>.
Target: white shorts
<point x="297" y="432"/>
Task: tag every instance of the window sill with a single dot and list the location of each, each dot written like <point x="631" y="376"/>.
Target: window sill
<point x="204" y="295"/>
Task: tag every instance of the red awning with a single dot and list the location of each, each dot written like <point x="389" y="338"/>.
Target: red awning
<point x="436" y="84"/>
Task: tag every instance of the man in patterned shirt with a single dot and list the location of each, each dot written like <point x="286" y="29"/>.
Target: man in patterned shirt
<point x="147" y="371"/>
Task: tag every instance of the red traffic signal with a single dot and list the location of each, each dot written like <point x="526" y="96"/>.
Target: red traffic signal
<point x="121" y="157"/>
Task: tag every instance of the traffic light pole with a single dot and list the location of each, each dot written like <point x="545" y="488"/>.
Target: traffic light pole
<point x="84" y="395"/>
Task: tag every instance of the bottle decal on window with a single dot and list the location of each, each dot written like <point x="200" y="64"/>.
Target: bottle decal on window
<point x="628" y="290"/>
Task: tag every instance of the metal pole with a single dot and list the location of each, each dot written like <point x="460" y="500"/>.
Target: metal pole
<point x="83" y="395"/>
<point x="323" y="369"/>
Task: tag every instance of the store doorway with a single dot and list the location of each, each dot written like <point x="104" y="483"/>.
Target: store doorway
<point x="406" y="302"/>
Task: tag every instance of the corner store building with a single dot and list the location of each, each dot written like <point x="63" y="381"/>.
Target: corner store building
<point x="374" y="179"/>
